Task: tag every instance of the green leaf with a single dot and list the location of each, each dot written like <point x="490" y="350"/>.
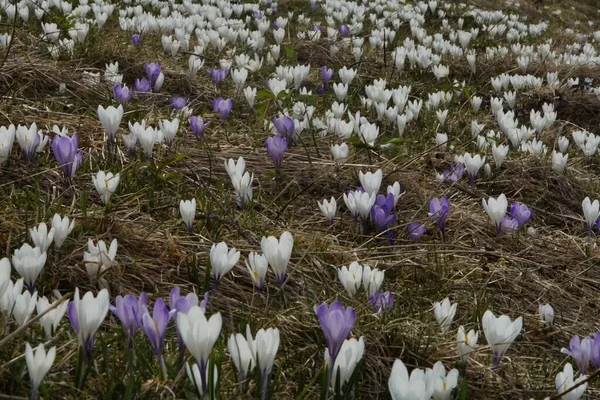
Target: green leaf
<point x="463" y="391"/>
<point x="290" y="52"/>
<point x="265" y="94"/>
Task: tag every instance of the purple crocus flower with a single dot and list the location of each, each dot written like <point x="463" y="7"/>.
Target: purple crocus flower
<point x="284" y="126"/>
<point x="155" y="327"/>
<point x="179" y="103"/>
<point x="136" y="39"/>
<point x="276" y="147"/>
<point x="122" y="93"/>
<point x="455" y="172"/>
<point x="66" y="154"/>
<point x="382" y="302"/>
<point x="152" y="72"/>
<point x="595" y="353"/>
<point x="344" y="30"/>
<point x="598" y="224"/>
<point x="326" y="75"/>
<point x="381" y="212"/>
<point x="321" y="92"/>
<point x="217" y="75"/>
<point x="509" y="225"/>
<point x="580" y="351"/>
<point x="257" y="15"/>
<point x="127" y="309"/>
<point x="416" y="230"/>
<point x="336" y="322"/>
<point x="222" y="107"/>
<point x="142" y="85"/>
<point x="520" y="212"/>
<point x="198" y="126"/>
<point x="439" y="210"/>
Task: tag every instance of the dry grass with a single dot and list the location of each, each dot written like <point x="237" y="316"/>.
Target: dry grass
<point x="475" y="268"/>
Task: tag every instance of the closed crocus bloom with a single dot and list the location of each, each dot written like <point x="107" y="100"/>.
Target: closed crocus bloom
<point x="41" y="237"/>
<point x="106" y="184"/>
<point x="372" y="279"/>
<point x="520" y="212"/>
<point x="62" y="227"/>
<point x="28" y="140"/>
<point x="395" y="191"/>
<point x="122" y="93"/>
<point x="12" y="290"/>
<point x="86" y="315"/>
<point x="371" y="182"/>
<point x="199" y="335"/>
<point x="336" y="321"/>
<point x="110" y="118"/>
<point x="591" y="212"/>
<point x="496" y="210"/>
<point x="129" y="311"/>
<point x="580" y="351"/>
<point x="284" y="126"/>
<point x="250" y="94"/>
<point x="147" y="138"/>
<point x="7" y="137"/>
<point x="258" y="266"/>
<point x="38" y="365"/>
<point x="346" y="75"/>
<point x="444" y="313"/>
<point x="241" y="354"/>
<point x="328" y="208"/>
<point x="466" y="342"/>
<point x="364" y="203"/>
<point x="499" y="153"/>
<point x="565" y="381"/>
<point x="351" y="277"/>
<point x="278" y="253"/>
<point x="441" y="140"/>
<point x="266" y="345"/>
<point x="350" y="354"/>
<point x="66" y="154"/>
<point x="443" y="384"/>
<point x="222" y="107"/>
<point x="276" y="147"/>
<point x="222" y="260"/>
<point x="169" y="129"/>
<point x="500" y="332"/>
<point x="198" y="126"/>
<point x="340" y="153"/>
<point x="155" y="328"/>
<point x="546" y="314"/>
<point x="417" y="386"/>
<point x="473" y="164"/>
<point x="243" y="189"/>
<point x="23" y="307"/>
<point x="52" y="318"/>
<point x="439" y="210"/>
<point x="559" y="162"/>
<point x="29" y="262"/>
<point x="187" y="209"/>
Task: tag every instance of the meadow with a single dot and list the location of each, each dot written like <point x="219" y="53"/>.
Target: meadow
<point x="299" y="199"/>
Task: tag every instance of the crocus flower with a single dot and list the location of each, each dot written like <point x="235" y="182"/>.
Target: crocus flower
<point x="591" y="212"/>
<point x="29" y="262"/>
<point x="155" y="328"/>
<point x="199" y="335"/>
<point x="417" y="385"/>
<point x="336" y="322"/>
<point x="66" y="154"/>
<point x="444" y="312"/>
<point x="509" y="224"/>
<point x="183" y="304"/>
<point x="179" y="103"/>
<point x="595" y="353"/>
<point x="326" y="75"/>
<point x="500" y="332"/>
<point x="546" y="314"/>
<point x="284" y="126"/>
<point x="198" y="126"/>
<point x="266" y="345"/>
<point x="416" y="230"/>
<point x="222" y="107"/>
<point x="382" y="302"/>
<point x="29" y="140"/>
<point x="565" y="382"/>
<point x="439" y="210"/>
<point x="276" y="147"/>
<point x="496" y="210"/>
<point x="51" y="319"/>
<point x="278" y="253"/>
<point x="142" y="85"/>
<point x="520" y="212"/>
<point x="222" y="260"/>
<point x="351" y="353"/>
<point x="580" y="351"/>
<point x="381" y="212"/>
<point x="128" y="310"/>
<point x="136" y="39"/>
<point x="217" y="75"/>
<point x="242" y="353"/>
<point x="86" y="315"/>
<point x="122" y="93"/>
<point x="38" y="365"/>
<point x="152" y="72"/>
<point x="454" y="173"/>
<point x="344" y="30"/>
<point x="466" y="342"/>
